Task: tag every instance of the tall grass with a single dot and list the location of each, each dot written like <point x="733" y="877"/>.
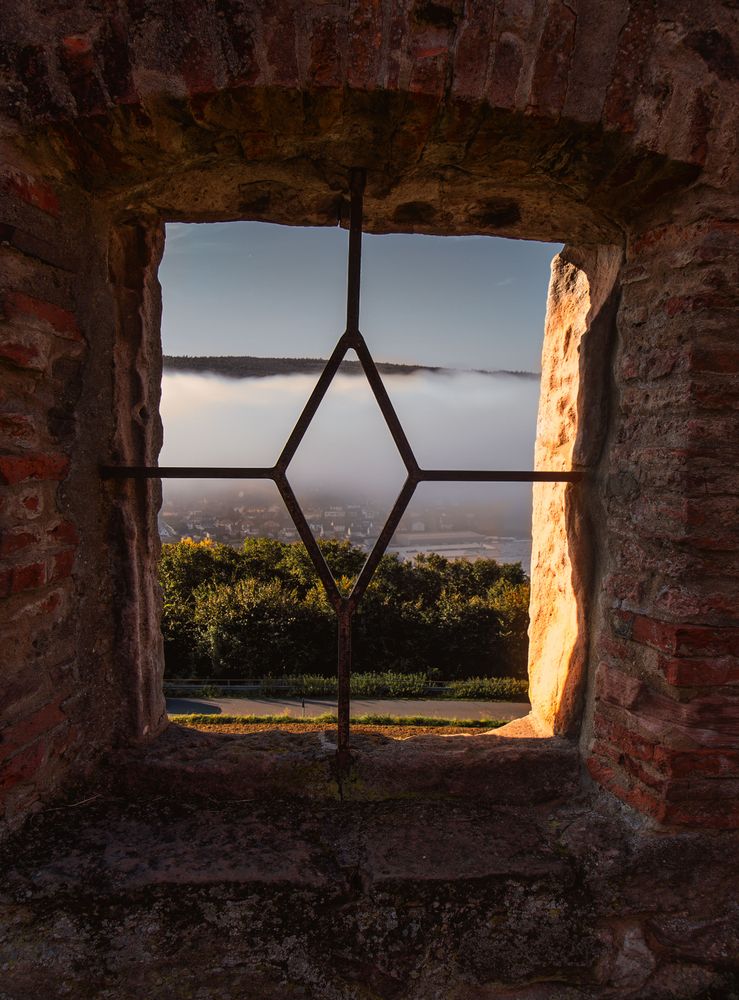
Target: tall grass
<point x="329" y="718"/>
<point x="378" y="685"/>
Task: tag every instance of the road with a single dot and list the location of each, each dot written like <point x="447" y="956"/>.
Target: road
<point x="438" y="708"/>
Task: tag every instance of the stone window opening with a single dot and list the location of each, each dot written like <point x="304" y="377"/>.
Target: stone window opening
<point x="345" y="605"/>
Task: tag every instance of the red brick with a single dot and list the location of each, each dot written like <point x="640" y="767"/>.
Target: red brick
<point x="713" y="358"/>
<point x="710" y="763"/>
<point x="684" y="640"/>
<point x="673" y="235"/>
<point x="6" y="577"/>
<point x="615" y="686"/>
<point x="61" y="565"/>
<point x="22" y="355"/>
<point x="65" y="533"/>
<point x="17" y="468"/>
<point x="721" y="815"/>
<point x="77" y="46"/>
<point x="25" y="731"/>
<point x="15" y="541"/>
<point x="18" y="304"/>
<point x="624" y="741"/>
<point x="472" y="53"/>
<point x="640" y="798"/>
<point x="506" y="71"/>
<point x="706" y="720"/>
<point x="32" y="501"/>
<point x="695" y="303"/>
<point x="16" y="427"/>
<point x="50" y="603"/>
<point x="32" y="191"/>
<point x="325" y="55"/>
<point x="28" y="577"/>
<point x="631" y="766"/>
<point x="549" y="86"/>
<point x="699" y="672"/>
<point x="23" y="766"/>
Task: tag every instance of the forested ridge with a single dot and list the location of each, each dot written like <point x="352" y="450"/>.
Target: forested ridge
<point x="243" y="366"/>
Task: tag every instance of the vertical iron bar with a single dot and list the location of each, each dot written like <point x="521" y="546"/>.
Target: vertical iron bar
<point x="344" y="615"/>
<point x="345" y="610"/>
<point x="356" y="188"/>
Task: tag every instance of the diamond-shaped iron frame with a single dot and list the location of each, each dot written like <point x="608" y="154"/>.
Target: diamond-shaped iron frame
<point x="351" y="339"/>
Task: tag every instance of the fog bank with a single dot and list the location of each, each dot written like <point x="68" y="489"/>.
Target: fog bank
<point x="461" y="420"/>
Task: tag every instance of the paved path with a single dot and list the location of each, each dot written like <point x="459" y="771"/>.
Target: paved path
<point x="439" y="708"/>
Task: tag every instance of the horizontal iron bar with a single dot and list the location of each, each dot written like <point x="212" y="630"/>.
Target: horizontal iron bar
<point x="495" y="476"/>
<point x="184" y="472"/>
<point x="422" y="476"/>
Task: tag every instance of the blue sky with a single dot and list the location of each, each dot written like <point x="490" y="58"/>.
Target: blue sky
<point x="259" y="289"/>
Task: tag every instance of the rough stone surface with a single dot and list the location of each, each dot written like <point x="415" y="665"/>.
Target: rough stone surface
<point x="411" y="899"/>
<point x="573" y="417"/>
<point x="609" y="127"/>
<point x="487" y="767"/>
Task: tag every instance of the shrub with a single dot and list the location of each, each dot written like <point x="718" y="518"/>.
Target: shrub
<point x="260" y="611"/>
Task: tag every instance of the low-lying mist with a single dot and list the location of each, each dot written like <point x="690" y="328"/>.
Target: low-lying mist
<point x="452" y="420"/>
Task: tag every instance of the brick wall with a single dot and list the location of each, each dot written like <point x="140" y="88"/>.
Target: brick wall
<point x="42" y="348"/>
<point x="666" y="685"/>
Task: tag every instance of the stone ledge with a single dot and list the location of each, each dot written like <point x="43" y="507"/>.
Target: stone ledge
<point x="116" y="898"/>
<point x="283" y="764"/>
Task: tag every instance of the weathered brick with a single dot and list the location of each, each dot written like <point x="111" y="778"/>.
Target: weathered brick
<point x="12" y="542"/>
<point x="700" y="671"/>
<point x="61" y="565"/>
<point x="28" y="577"/>
<point x="551" y="71"/>
<point x="18" y="468"/>
<point x="23" y="766"/>
<point x="22" y="355"/>
<point x="64" y="533"/>
<point x="17" y="428"/>
<point x="18" y="304"/>
<point x="35" y="192"/>
<point x="505" y="72"/>
<point x="710" y="763"/>
<point x="684" y="640"/>
<point x="24" y="731"/>
<point x="618" y="687"/>
<point x="31" y="502"/>
<point x="609" y="776"/>
<point x="473" y="52"/>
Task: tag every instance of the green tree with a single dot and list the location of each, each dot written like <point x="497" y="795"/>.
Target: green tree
<point x="260" y="609"/>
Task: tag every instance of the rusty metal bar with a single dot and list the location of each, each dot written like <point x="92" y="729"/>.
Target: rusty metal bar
<point x="386" y="407"/>
<point x="183" y="472"/>
<point x="314" y="401"/>
<point x="273" y="473"/>
<point x="344" y="615"/>
<point x="303" y="528"/>
<point x="383" y="540"/>
<point x="495" y="476"/>
<point x="354" y="271"/>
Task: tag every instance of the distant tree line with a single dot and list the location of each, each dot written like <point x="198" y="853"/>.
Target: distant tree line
<point x="260" y="611"/>
<point x="245" y="366"/>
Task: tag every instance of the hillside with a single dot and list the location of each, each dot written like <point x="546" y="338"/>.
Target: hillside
<point x="233" y="366"/>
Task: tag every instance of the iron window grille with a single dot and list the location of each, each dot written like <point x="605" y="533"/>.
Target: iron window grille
<point x="352" y="339"/>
